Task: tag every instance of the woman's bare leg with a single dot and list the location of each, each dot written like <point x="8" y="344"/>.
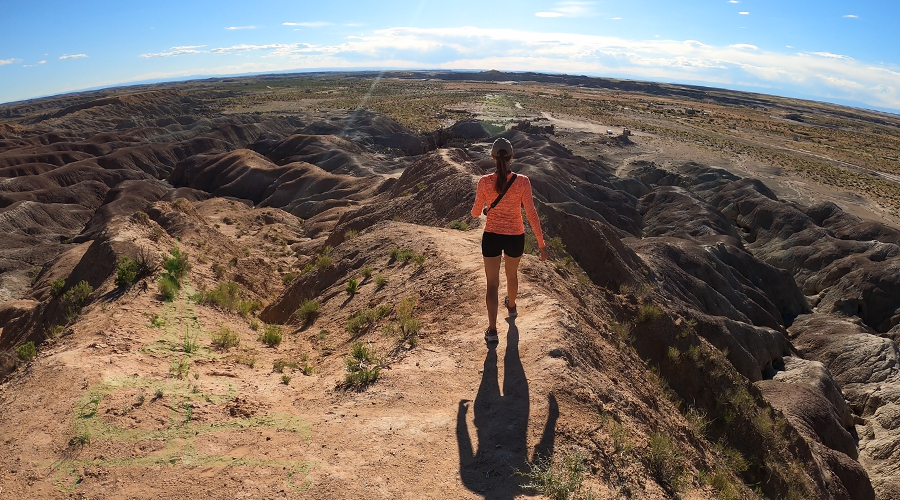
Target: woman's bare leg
<point x="512" y="279"/>
<point x="492" y="273"/>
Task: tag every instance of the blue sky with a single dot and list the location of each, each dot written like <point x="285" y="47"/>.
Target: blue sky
<point x="830" y="50"/>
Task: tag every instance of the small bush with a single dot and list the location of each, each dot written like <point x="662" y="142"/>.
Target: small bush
<point x="57" y="287"/>
<point x="225" y="338"/>
<point x="349" y="235"/>
<point x="168" y="287"/>
<point x="324" y="259"/>
<point x="76" y="298"/>
<point x="648" y="313"/>
<point x="219" y="271"/>
<point x="459" y="225"/>
<point x="288" y="278"/>
<point x="285" y="379"/>
<point x="271" y="335"/>
<point x="126" y="273"/>
<point x="419" y="259"/>
<point x="380" y="281"/>
<point x="673" y="354"/>
<point x="352" y="287"/>
<point x="281" y="364"/>
<point x="665" y="462"/>
<point x="177" y="266"/>
<point x="559" y="481"/>
<point x="81" y="440"/>
<point x="189" y="344"/>
<point x="228" y="296"/>
<point x="308" y="312"/>
<point x="367" y="272"/>
<point x="180" y="368"/>
<point x="362" y="367"/>
<point x="27" y="351"/>
<point x="401" y="254"/>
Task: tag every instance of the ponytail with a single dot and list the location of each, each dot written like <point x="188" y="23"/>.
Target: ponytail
<point x="501" y="159"/>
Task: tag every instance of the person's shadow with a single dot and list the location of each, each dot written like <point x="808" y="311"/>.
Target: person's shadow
<point x="501" y="421"/>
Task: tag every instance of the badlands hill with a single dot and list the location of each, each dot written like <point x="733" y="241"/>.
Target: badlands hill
<point x="272" y="288"/>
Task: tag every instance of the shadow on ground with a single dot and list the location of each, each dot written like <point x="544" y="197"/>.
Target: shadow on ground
<point x="501" y="422"/>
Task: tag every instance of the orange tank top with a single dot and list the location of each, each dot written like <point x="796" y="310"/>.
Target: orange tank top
<point x="506" y="217"/>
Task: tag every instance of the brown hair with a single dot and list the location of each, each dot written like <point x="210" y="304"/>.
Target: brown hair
<point x="501" y="159"/>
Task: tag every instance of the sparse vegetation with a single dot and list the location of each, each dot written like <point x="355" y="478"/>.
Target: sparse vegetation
<point x="189" y="344"/>
<point x="308" y="312"/>
<point x="366" y="272"/>
<point x="349" y="235"/>
<point x="55" y="331"/>
<point x="352" y="287"/>
<point x="27" y="351"/>
<point x="271" y="335"/>
<point x="363" y="367"/>
<point x="180" y="367"/>
<point x="380" y="281"/>
<point x="225" y="338"/>
<point x="648" y="313"/>
<point x="228" y="296"/>
<point x="560" y="480"/>
<point x="404" y="255"/>
<point x="324" y="259"/>
<point x="665" y="462"/>
<point x="57" y="287"/>
<point x="131" y="270"/>
<point x="285" y="379"/>
<point x="281" y="364"/>
<point x="75" y="299"/>
<point x="459" y="225"/>
<point x="288" y="278"/>
<point x="360" y="321"/>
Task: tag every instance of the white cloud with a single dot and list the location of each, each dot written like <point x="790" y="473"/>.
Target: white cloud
<point x="851" y="16"/>
<point x="744" y="13"/>
<point x="4" y="62"/>
<point x="33" y="65"/>
<point x="831" y="56"/>
<point x="615" y="19"/>
<point x="789" y="46"/>
<point x="176" y="51"/>
<point x="313" y="24"/>
<point x="569" y="9"/>
<point x="746" y="46"/>
<point x="73" y="56"/>
<point x="733" y="1"/>
<point x="232" y="28"/>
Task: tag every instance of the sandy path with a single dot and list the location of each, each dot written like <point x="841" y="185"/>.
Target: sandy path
<point x="402" y="438"/>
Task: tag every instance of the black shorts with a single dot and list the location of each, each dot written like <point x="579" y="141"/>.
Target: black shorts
<point x="492" y="244"/>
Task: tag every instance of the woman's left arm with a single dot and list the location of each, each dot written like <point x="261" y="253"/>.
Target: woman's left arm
<point x="531" y="212"/>
<point x="479" y="199"/>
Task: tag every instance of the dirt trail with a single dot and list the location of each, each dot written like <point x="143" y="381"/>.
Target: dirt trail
<point x="247" y="435"/>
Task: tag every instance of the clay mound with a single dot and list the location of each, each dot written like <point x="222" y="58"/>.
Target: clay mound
<point x="50" y="221"/>
<point x="88" y="194"/>
<point x="849" y="227"/>
<point x="122" y="201"/>
<point x="331" y="153"/>
<point x="716" y="288"/>
<point x="25" y="170"/>
<point x="558" y="177"/>
<point x="435" y="190"/>
<point x="673" y="211"/>
<point x="299" y="188"/>
<point x="469" y="130"/>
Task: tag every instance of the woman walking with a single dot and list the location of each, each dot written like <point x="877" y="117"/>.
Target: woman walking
<point x="501" y="196"/>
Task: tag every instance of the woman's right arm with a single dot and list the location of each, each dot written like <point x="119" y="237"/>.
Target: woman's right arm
<point x="479" y="199"/>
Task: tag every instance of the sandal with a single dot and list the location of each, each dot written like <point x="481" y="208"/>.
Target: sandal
<point x="511" y="311"/>
<point x="490" y="336"/>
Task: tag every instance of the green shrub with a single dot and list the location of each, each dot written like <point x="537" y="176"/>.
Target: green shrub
<point x="27" y="351"/>
<point x="285" y="379"/>
<point x="324" y="259"/>
<point x="367" y="272"/>
<point x="225" y="338"/>
<point x="189" y="343"/>
<point x="349" y="235"/>
<point x="352" y="287"/>
<point x="288" y="278"/>
<point x="648" y="313"/>
<point x="558" y="481"/>
<point x="168" y="287"/>
<point x="228" y="296"/>
<point x="76" y="298"/>
<point x="127" y="272"/>
<point x="462" y="226"/>
<point x="57" y="287"/>
<point x="362" y="366"/>
<point x="664" y="461"/>
<point x="380" y="281"/>
<point x="281" y="364"/>
<point x="308" y="312"/>
<point x="271" y="335"/>
<point x="55" y="330"/>
<point x="360" y="321"/>
<point x="178" y="265"/>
